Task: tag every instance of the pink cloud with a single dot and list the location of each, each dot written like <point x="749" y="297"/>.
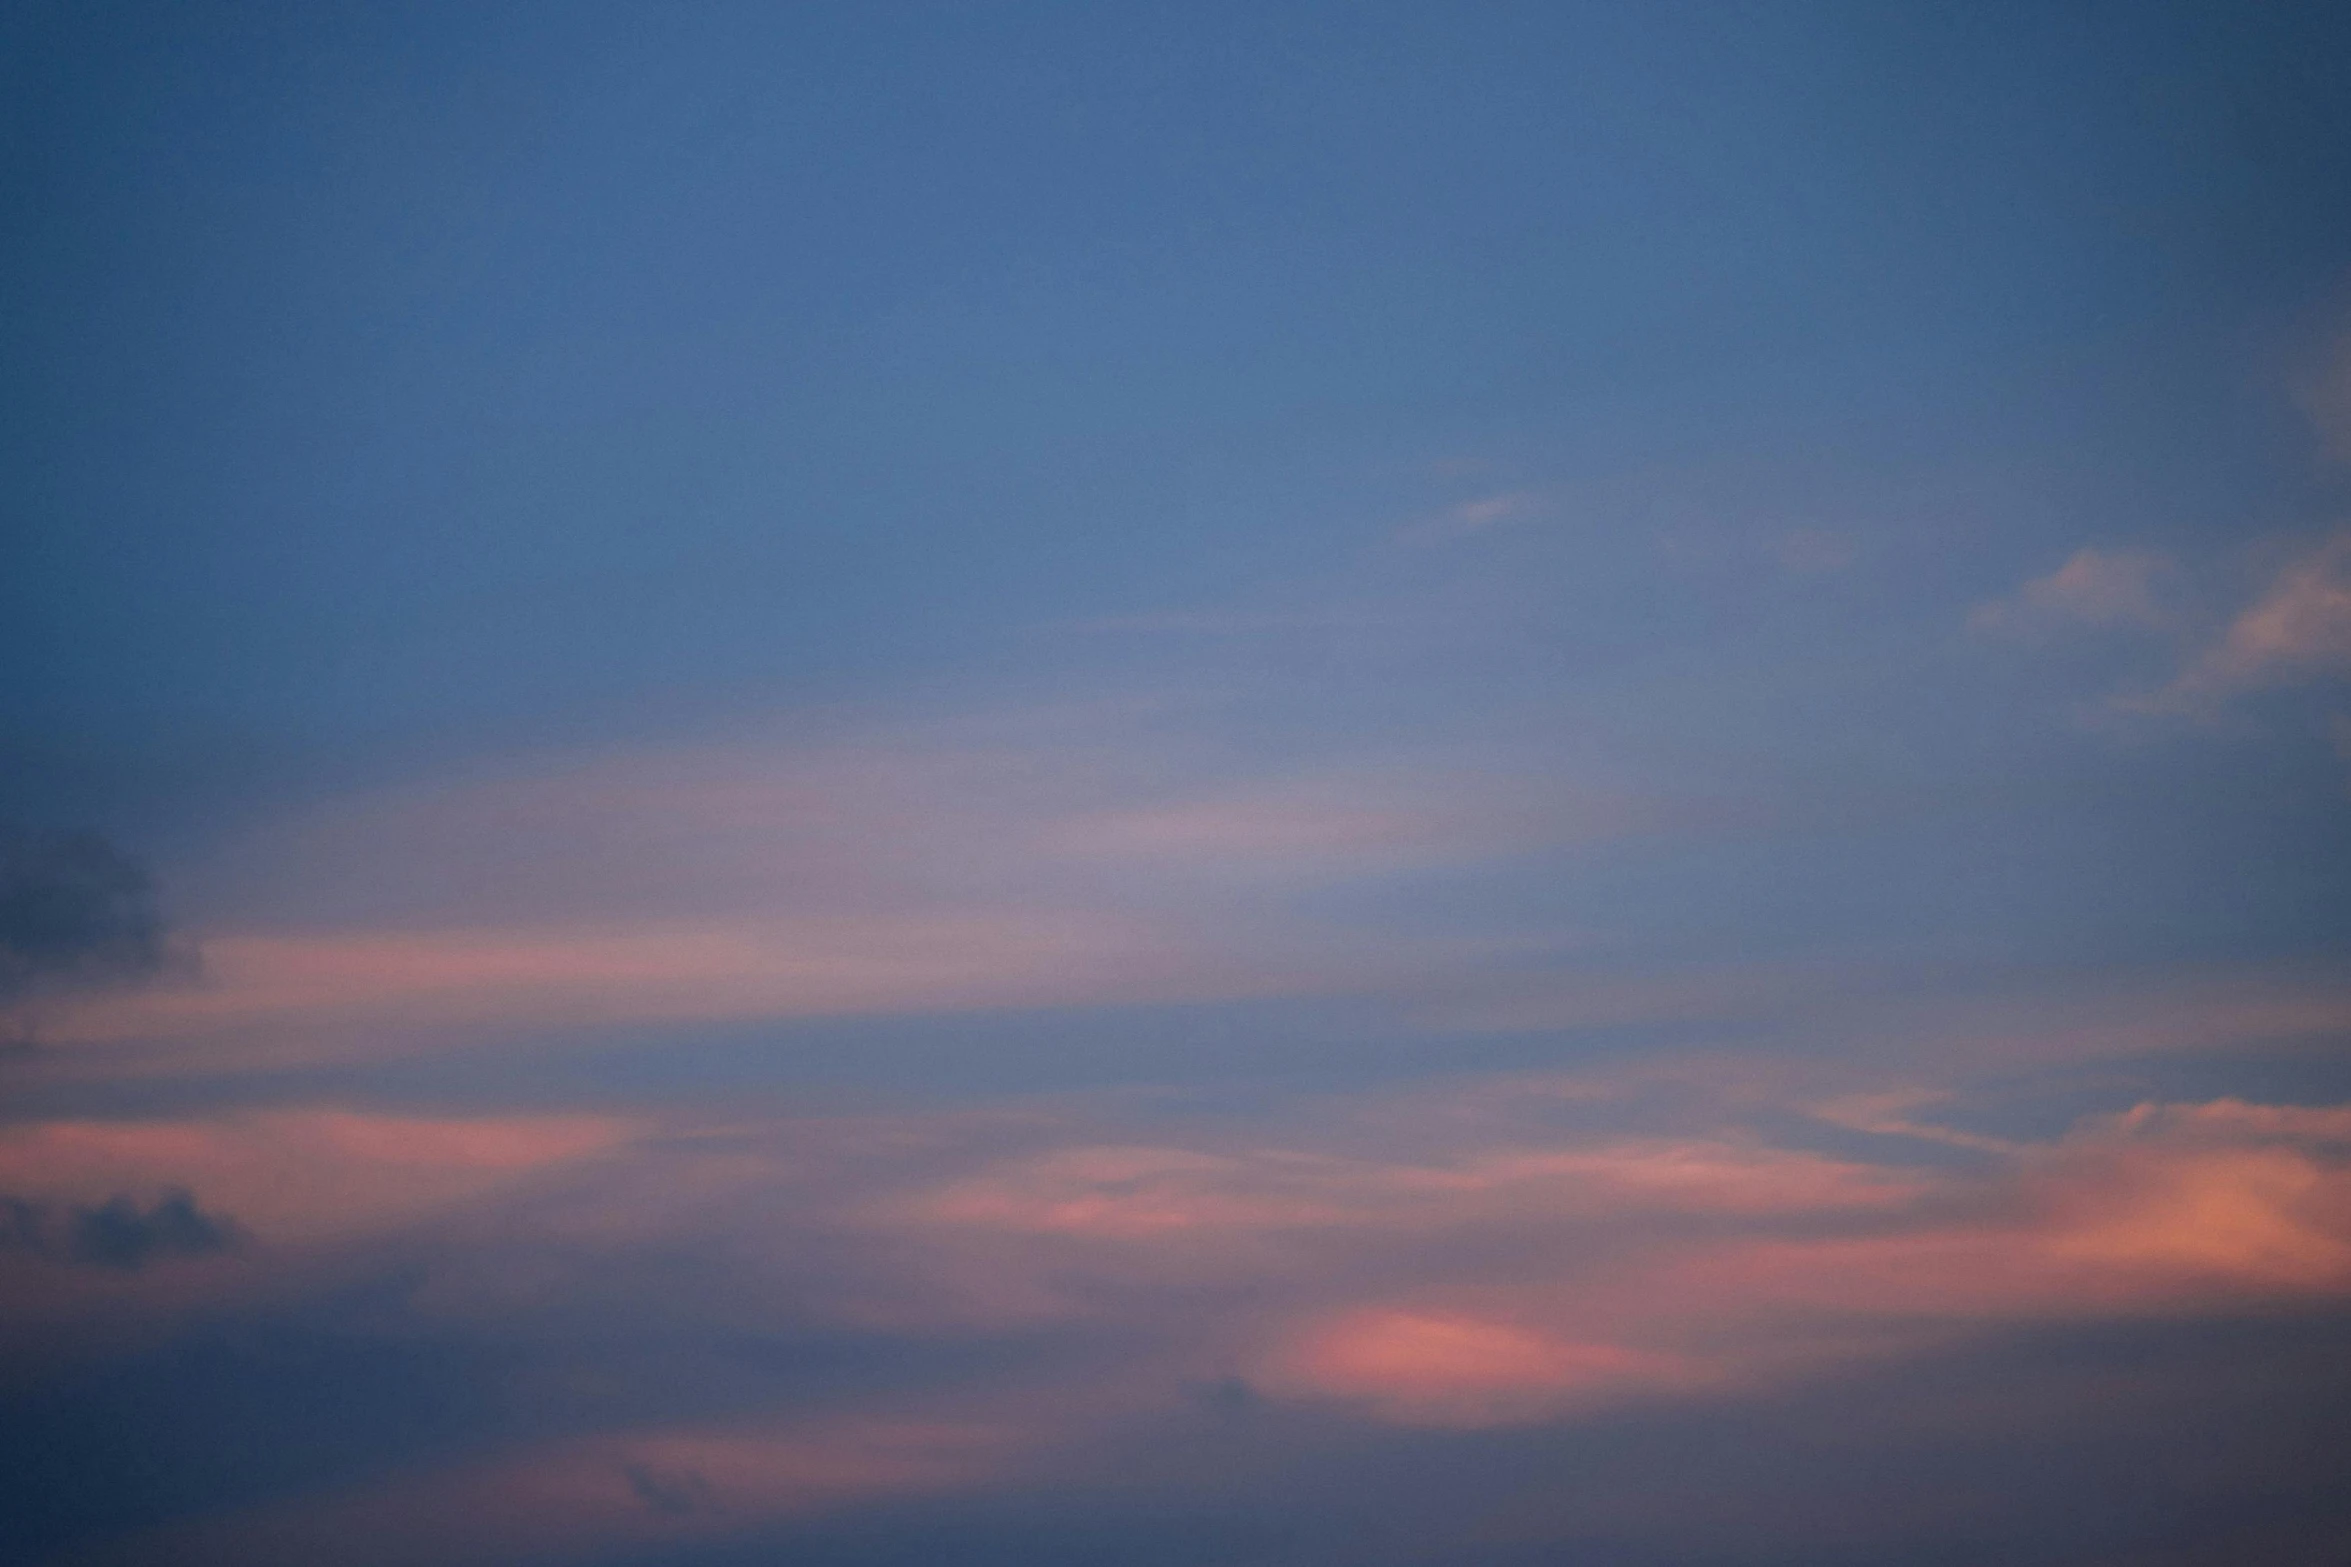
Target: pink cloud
<point x="302" y="1175"/>
<point x="2299" y="627"/>
<point x="273" y="991"/>
<point x="1446" y="1369"/>
<point x="923" y="872"/>
<point x="2093" y="588"/>
<point x="311" y="1195"/>
<point x="1123" y="1192"/>
<point x="1515" y="1283"/>
<point x="1438" y="1256"/>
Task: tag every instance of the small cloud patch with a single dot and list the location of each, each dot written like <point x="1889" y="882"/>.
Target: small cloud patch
<point x="673" y="1493"/>
<point x="76" y="913"/>
<point x="2299" y="628"/>
<point x="2096" y="588"/>
<point x="1471" y="517"/>
<point x="118" y="1233"/>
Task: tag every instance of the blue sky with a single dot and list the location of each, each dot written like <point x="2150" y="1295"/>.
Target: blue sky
<point x="936" y="781"/>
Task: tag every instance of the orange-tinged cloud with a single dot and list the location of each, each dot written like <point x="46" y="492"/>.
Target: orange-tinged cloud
<point x="1143" y="1191"/>
<point x="2300" y="626"/>
<point x="1494" y="1276"/>
<point x="1448" y="1369"/>
<point x="959" y="866"/>
<point x="2094" y="587"/>
<point x="1519" y="1282"/>
<point x="799" y="968"/>
<point x="1491" y="1273"/>
<point x="310" y="1195"/>
<point x="2232" y="1217"/>
<point x="1342" y="826"/>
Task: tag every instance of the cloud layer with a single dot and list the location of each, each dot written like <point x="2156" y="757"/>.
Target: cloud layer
<point x="1498" y="1255"/>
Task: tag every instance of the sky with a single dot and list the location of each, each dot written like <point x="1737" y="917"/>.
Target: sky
<point x="1375" y="785"/>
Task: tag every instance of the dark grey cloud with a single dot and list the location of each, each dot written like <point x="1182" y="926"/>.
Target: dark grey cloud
<point x="75" y="912"/>
<point x="116" y="1233"/>
<point x="74" y="909"/>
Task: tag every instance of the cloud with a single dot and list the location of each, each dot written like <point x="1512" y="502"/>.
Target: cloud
<point x="2095" y="588"/>
<point x="117" y="1233"/>
<point x="1499" y="1285"/>
<point x="320" y="1196"/>
<point x="669" y="1491"/>
<point x="1874" y="1030"/>
<point x="1443" y="1258"/>
<point x="303" y="993"/>
<point x="2325" y="399"/>
<point x="944" y="869"/>
<point x="294" y="1177"/>
<point x="1445" y="1368"/>
<point x="2298" y="629"/>
<point x="1471" y="517"/>
<point x="75" y="913"/>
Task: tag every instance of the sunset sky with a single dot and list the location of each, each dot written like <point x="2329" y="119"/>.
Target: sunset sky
<point x="1295" y="785"/>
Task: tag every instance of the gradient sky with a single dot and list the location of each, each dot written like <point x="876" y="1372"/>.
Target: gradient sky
<point x="1204" y="786"/>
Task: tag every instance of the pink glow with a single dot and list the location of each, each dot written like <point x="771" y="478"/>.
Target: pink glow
<point x="301" y="1175"/>
<point x="801" y="968"/>
<point x="2095" y="587"/>
<point x="1493" y="1274"/>
<point x="1028" y="860"/>
<point x="1520" y="1283"/>
<point x="2301" y="625"/>
<point x="1425" y="1369"/>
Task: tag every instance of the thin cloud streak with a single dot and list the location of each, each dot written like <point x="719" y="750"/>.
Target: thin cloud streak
<point x="2094" y="588"/>
<point x="2299" y="628"/>
<point x="930" y="875"/>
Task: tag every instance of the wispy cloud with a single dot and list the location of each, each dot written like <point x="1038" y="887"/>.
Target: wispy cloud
<point x="2325" y="398"/>
<point x="1488" y="1269"/>
<point x="2094" y="588"/>
<point x="2295" y="629"/>
<point x="614" y="971"/>
<point x="930" y="872"/>
<point x="1466" y="519"/>
<point x="302" y="1176"/>
<point x="76" y="914"/>
<point x="2299" y="628"/>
